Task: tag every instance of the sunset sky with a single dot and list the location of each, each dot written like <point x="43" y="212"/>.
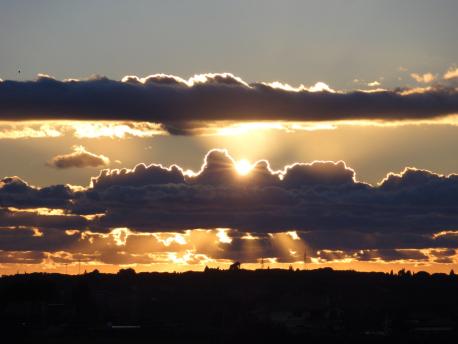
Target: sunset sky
<point x="176" y="135"/>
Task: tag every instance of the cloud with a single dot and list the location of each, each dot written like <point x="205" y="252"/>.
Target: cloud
<point x="318" y="198"/>
<point x="425" y="78"/>
<point x="33" y="217"/>
<point x="15" y="192"/>
<point x="25" y="239"/>
<point x="21" y="257"/>
<point x="322" y="201"/>
<point x="373" y="84"/>
<point x="392" y="255"/>
<point x="79" y="129"/>
<point x="122" y="246"/>
<point x="180" y="105"/>
<point x="452" y="73"/>
<point x="79" y="158"/>
<point x="444" y="256"/>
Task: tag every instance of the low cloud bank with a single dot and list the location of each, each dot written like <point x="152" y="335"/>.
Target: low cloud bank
<point x="333" y="214"/>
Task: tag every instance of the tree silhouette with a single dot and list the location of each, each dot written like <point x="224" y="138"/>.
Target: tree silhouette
<point x="126" y="272"/>
<point x="235" y="266"/>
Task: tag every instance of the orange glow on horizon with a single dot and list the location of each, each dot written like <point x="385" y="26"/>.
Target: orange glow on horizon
<point x="185" y="262"/>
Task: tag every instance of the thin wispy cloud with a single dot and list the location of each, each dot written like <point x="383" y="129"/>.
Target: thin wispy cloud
<point x="425" y="78"/>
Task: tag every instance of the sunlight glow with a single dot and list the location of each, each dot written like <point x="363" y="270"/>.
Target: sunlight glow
<point x="37" y="232"/>
<point x="293" y="235"/>
<point x="222" y="235"/>
<point x="120" y="235"/>
<point x="445" y="233"/>
<point x="243" y="167"/>
<point x="40" y="211"/>
<point x="168" y="238"/>
<point x="79" y="129"/>
<point x="249" y="236"/>
<point x="127" y="129"/>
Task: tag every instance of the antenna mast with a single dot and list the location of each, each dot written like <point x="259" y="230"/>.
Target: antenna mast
<point x="305" y="259"/>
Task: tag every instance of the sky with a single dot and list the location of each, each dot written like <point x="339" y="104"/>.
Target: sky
<point x="174" y="135"/>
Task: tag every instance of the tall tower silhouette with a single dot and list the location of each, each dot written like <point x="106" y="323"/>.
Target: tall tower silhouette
<point x="305" y="259"/>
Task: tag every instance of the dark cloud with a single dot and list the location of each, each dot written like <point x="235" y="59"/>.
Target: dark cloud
<point x="181" y="105"/>
<point x="385" y="255"/>
<point x="43" y="220"/>
<point x="21" y="257"/>
<point x="321" y="196"/>
<point x="444" y="256"/>
<point x="443" y="253"/>
<point x="122" y="246"/>
<point x="34" y="239"/>
<point x="392" y="255"/>
<point x="140" y="175"/>
<point x="318" y="173"/>
<point x="14" y="192"/>
<point x="331" y="211"/>
<point x="388" y="240"/>
<point x="79" y="158"/>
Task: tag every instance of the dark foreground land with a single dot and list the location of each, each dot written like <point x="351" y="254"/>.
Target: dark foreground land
<point x="263" y="306"/>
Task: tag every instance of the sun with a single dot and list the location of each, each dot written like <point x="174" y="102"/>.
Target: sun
<point x="243" y="167"/>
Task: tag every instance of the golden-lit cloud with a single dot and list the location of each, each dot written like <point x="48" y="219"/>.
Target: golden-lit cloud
<point x="78" y="129"/>
<point x="374" y="83"/>
<point x="452" y="73"/>
<point x="10" y="130"/>
<point x="317" y="87"/>
<point x="117" y="130"/>
<point x="223" y="237"/>
<point x="425" y="78"/>
<point x="122" y="247"/>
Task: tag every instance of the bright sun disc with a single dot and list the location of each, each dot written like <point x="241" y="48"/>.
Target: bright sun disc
<point x="243" y="167"/>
